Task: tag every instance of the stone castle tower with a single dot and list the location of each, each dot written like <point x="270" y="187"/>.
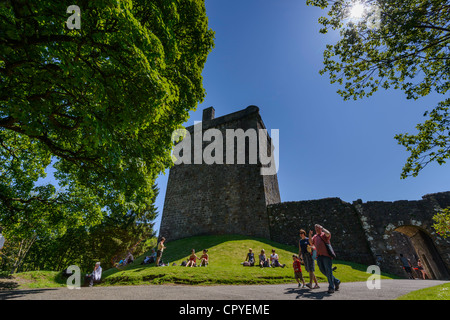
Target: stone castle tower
<point x="227" y="198"/>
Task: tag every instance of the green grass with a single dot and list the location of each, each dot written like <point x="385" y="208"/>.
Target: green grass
<point x="441" y="292"/>
<point x="226" y="255"/>
<point x="32" y="280"/>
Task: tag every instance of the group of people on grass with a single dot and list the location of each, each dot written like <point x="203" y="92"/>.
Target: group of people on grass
<point x="191" y="262"/>
<point x="127" y="260"/>
<point x="311" y="248"/>
<point x="273" y="260"/>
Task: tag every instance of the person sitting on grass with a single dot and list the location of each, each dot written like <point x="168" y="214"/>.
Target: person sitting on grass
<point x="95" y="276"/>
<point x="192" y="259"/>
<point x="204" y="259"/>
<point x="250" y="259"/>
<point x="150" y="259"/>
<point x="129" y="259"/>
<point x="274" y="260"/>
<point x="263" y="262"/>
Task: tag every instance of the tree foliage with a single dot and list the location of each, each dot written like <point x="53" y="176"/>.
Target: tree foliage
<point x="442" y="222"/>
<point x="83" y="246"/>
<point x="99" y="103"/>
<point x="398" y="44"/>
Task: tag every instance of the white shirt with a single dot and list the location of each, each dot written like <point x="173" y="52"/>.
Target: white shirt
<point x="97" y="274"/>
<point x="2" y="241"/>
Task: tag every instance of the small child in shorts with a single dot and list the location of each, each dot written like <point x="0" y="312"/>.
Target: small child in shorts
<point x="298" y="271"/>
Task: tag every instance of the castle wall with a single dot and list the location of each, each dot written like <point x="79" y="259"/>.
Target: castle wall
<point x="340" y="218"/>
<point x="375" y="232"/>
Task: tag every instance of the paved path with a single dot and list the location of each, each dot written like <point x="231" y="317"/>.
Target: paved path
<point x="390" y="289"/>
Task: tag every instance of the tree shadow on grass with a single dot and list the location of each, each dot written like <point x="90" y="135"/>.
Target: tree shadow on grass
<point x="6" y="285"/>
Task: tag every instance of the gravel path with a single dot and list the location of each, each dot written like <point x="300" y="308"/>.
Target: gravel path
<point x="390" y="289"/>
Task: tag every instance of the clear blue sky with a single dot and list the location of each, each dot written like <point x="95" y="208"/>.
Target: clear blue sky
<point x="268" y="53"/>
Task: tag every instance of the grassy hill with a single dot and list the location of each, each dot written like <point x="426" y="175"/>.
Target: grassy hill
<point x="226" y="255"/>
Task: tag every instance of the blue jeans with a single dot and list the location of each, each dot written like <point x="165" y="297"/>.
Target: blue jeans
<point x="325" y="265"/>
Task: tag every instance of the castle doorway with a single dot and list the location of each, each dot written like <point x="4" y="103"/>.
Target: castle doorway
<point x="424" y="248"/>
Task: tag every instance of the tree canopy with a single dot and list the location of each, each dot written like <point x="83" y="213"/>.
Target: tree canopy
<point x="99" y="103"/>
<point x="398" y="44"/>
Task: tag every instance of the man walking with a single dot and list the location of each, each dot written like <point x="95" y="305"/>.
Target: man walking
<point x="324" y="260"/>
<point x="407" y="266"/>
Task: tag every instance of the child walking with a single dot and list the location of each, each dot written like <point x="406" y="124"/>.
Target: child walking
<point x="298" y="271"/>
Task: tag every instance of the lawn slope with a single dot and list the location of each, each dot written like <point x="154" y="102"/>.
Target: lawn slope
<point x="226" y="255"/>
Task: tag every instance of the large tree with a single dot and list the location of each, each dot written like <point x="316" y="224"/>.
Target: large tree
<point x="99" y="103"/>
<point x="398" y="44"/>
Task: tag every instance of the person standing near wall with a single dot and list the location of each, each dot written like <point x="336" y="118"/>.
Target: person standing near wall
<point x="324" y="259"/>
<point x="406" y="263"/>
<point x="421" y="269"/>
<point x="307" y="259"/>
<point x="160" y="250"/>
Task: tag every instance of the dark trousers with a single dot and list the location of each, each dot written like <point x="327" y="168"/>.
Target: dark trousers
<point x="89" y="280"/>
<point x="325" y="265"/>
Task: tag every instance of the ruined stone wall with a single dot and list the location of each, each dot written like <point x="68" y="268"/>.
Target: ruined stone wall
<point x="340" y="218"/>
<point x="375" y="232"/>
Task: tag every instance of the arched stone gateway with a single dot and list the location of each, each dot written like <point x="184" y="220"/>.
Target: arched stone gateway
<point x="425" y="250"/>
<point x="405" y="227"/>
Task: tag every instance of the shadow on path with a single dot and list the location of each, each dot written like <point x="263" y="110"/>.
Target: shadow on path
<point x="12" y="294"/>
<point x="307" y="293"/>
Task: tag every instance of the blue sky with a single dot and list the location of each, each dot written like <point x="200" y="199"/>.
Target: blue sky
<point x="268" y="53"/>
